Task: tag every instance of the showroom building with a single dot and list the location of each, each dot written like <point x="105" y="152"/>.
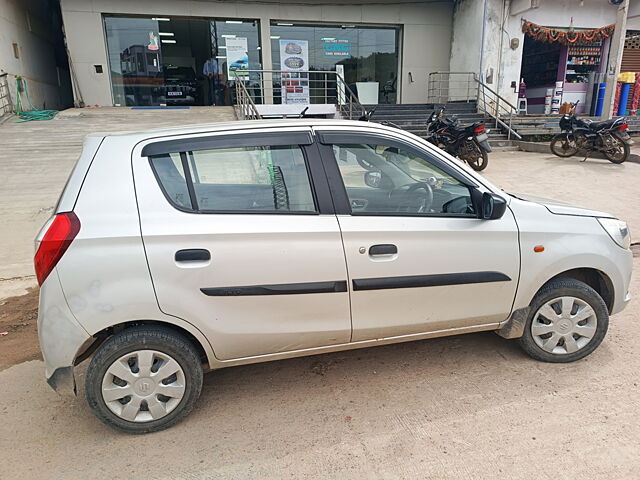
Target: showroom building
<point x="122" y="51"/>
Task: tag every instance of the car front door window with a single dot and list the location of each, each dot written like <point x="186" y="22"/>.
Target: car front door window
<point x="383" y="179"/>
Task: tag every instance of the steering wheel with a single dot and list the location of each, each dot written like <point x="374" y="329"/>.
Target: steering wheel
<point x="417" y="196"/>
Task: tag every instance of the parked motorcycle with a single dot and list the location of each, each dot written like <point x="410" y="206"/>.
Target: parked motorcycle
<point x="469" y="143"/>
<point x="609" y="137"/>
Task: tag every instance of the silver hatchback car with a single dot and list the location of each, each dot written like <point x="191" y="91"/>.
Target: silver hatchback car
<point x="183" y="250"/>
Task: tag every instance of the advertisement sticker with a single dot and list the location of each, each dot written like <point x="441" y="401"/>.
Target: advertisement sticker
<point x="294" y="63"/>
<point x="237" y="58"/>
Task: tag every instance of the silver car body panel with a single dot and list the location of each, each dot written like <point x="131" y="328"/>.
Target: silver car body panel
<point x="105" y="277"/>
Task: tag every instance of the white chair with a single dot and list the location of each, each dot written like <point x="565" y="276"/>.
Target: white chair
<point x="522" y="106"/>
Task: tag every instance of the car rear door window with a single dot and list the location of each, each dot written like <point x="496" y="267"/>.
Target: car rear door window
<point x="240" y="179"/>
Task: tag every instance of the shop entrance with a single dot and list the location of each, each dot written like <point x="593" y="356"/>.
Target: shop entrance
<point x="178" y="61"/>
<point x="579" y="66"/>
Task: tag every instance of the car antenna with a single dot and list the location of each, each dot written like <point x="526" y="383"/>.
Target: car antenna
<point x="303" y="112"/>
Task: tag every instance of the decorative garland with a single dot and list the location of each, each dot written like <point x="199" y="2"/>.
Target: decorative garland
<point x="570" y="37"/>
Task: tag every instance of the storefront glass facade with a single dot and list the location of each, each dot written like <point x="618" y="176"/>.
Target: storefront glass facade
<point x="179" y="61"/>
<point x="368" y="55"/>
<point x="195" y="61"/>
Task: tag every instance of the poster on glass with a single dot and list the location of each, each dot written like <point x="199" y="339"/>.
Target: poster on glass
<point x="237" y="58"/>
<point x="294" y="63"/>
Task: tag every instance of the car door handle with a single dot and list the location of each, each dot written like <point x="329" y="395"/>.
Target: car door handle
<point x="384" y="249"/>
<point x="192" y="255"/>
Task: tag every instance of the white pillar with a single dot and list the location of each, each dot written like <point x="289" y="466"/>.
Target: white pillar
<point x="265" y="45"/>
<point x="615" y="59"/>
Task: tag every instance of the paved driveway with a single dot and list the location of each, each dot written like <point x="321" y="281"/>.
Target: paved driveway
<point x="37" y="157"/>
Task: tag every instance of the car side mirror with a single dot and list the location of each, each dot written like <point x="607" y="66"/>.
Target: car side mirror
<point x="492" y="206"/>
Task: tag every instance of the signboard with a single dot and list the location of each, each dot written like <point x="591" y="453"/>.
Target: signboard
<point x="294" y="63"/>
<point x="237" y="58"/>
<point x="336" y="47"/>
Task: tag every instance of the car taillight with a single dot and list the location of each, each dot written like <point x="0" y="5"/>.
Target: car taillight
<point x="624" y="126"/>
<point x="479" y="129"/>
<point x="55" y="241"/>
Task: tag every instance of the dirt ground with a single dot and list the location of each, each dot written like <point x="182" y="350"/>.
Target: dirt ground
<point x="465" y="407"/>
<point x="18" y="332"/>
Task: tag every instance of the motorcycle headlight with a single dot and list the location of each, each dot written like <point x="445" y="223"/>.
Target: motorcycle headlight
<point x="617" y="230"/>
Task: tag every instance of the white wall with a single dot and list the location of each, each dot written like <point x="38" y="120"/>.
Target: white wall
<point x="24" y="22"/>
<point x="426" y="41"/>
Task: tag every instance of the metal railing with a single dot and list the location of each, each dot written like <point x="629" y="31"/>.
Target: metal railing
<point x="6" y="106"/>
<point x="277" y="87"/>
<point x="498" y="108"/>
<point x="447" y="87"/>
<point x="244" y="106"/>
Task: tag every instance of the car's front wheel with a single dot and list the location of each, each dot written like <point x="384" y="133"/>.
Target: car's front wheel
<point x="567" y="321"/>
<point x="144" y="379"/>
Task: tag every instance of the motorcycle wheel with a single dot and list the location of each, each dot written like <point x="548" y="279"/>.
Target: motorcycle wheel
<point x="615" y="149"/>
<point x="476" y="157"/>
<point x="562" y="146"/>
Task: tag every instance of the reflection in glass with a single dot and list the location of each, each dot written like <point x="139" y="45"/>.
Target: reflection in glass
<point x="176" y="61"/>
<point x="369" y="55"/>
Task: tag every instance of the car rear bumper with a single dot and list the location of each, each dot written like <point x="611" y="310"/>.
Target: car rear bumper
<point x="60" y="335"/>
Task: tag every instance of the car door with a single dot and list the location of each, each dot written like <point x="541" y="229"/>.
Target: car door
<point x="419" y="259"/>
<point x="242" y="240"/>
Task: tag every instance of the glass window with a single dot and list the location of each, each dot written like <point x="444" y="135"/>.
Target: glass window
<point x="179" y="61"/>
<point x="249" y="179"/>
<point x="382" y="179"/>
<point x="169" y="172"/>
<point x="369" y="56"/>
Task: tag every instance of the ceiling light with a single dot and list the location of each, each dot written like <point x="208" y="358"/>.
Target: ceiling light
<point x="161" y="19"/>
<point x="328" y="39"/>
<point x="233" y="21"/>
<point x="166" y="34"/>
<point x="285" y="24"/>
<point x="275" y="37"/>
<point x="228" y="36"/>
<point x="221" y="56"/>
<point x="222" y="46"/>
<point x="168" y="41"/>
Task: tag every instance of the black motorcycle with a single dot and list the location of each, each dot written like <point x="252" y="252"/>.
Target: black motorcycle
<point x="467" y="142"/>
<point x="609" y="137"/>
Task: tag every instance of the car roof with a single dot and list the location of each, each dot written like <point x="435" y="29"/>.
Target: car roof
<point x="244" y="125"/>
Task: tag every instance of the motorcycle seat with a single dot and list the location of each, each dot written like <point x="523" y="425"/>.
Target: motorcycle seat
<point x="602" y="125"/>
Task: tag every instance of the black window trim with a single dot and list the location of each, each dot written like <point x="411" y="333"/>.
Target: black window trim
<point x="318" y="184"/>
<point x="327" y="138"/>
<point x="214" y="142"/>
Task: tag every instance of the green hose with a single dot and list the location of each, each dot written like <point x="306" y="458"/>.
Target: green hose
<point x="34" y="113"/>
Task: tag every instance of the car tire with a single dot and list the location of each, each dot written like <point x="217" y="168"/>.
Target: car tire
<point x="161" y="399"/>
<point x="566" y="301"/>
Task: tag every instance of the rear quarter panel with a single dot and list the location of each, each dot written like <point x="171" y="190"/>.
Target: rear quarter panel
<point x="104" y="274"/>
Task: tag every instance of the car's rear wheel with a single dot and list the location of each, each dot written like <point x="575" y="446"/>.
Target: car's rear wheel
<point x="144" y="379"/>
<point x="567" y="321"/>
